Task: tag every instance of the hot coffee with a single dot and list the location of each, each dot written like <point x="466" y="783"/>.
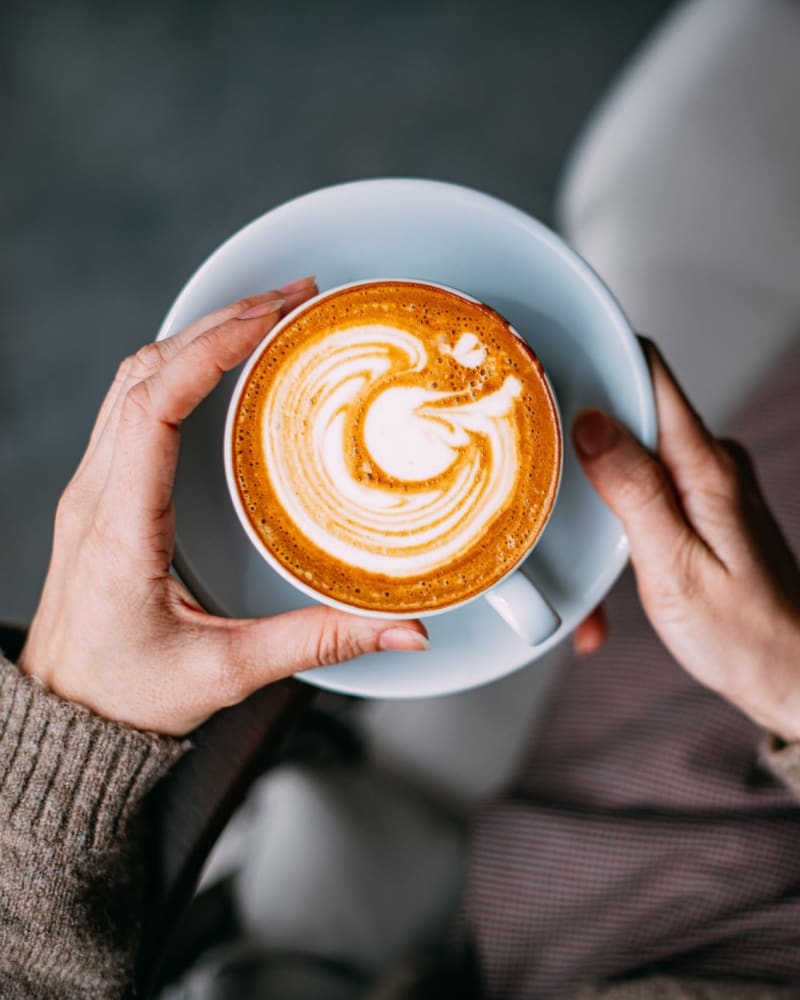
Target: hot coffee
<point x="396" y="447"/>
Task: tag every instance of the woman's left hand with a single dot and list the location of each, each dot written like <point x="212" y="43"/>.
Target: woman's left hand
<point x="114" y="630"/>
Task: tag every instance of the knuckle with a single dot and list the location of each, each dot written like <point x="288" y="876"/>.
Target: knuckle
<point x="335" y="643"/>
<point x="68" y="508"/>
<point x="66" y="502"/>
<point x="643" y="483"/>
<point x="679" y="587"/>
<point x="684" y="580"/>
<point x="138" y="405"/>
<point x="125" y="370"/>
<point x="240" y="306"/>
<point x="145" y="362"/>
<point x="215" y="351"/>
<point x="229" y="313"/>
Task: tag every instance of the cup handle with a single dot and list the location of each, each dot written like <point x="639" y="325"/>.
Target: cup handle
<point x="524" y="607"/>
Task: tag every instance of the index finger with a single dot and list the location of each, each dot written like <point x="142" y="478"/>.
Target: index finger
<point x="148" y="436"/>
<point x="157" y="353"/>
<point x="235" y="310"/>
<point x="93" y="468"/>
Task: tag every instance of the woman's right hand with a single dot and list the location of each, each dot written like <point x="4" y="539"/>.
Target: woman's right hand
<point x="715" y="575"/>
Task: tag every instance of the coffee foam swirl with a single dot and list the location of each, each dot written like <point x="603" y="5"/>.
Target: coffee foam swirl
<point x="396" y="447"/>
<point x="379" y="472"/>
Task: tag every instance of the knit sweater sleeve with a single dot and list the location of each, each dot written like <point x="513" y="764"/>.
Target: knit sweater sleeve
<point x="71" y="790"/>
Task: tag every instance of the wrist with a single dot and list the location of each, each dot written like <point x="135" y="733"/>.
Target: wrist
<point x="773" y="697"/>
<point x="70" y="772"/>
<point x="34" y="664"/>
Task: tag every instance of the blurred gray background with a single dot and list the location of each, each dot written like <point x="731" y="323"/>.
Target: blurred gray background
<point x="138" y="136"/>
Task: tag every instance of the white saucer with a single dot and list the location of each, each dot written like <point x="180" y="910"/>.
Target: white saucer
<point x="454" y="236"/>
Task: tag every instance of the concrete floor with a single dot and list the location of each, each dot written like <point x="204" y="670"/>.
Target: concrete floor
<point x="138" y="136"/>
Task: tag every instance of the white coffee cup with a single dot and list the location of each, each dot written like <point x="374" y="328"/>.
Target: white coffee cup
<point x="514" y="597"/>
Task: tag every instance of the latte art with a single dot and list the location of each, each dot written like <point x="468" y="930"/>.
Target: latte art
<point x="379" y="472"/>
<point x="394" y="447"/>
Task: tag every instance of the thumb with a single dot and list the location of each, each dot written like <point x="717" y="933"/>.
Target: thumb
<point x="266" y="649"/>
<point x="635" y="486"/>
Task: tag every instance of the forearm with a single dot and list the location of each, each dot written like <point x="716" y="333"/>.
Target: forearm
<point x="71" y="789"/>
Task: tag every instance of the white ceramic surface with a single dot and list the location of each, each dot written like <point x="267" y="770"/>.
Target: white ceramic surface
<point x="458" y="237"/>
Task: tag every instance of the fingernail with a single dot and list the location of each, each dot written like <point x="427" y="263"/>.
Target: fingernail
<point x="263" y="308"/>
<point x="403" y="638"/>
<point x="593" y="433"/>
<point x="298" y="285"/>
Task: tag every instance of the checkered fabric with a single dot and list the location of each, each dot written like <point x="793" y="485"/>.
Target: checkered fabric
<point x="645" y="833"/>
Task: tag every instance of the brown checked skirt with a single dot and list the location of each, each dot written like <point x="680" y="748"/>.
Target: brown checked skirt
<point x="642" y="834"/>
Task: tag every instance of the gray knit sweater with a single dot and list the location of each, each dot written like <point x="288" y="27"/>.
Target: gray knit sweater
<point x="71" y="787"/>
<point x="71" y="790"/>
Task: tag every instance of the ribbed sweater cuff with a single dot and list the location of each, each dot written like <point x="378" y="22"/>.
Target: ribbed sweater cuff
<point x="67" y="776"/>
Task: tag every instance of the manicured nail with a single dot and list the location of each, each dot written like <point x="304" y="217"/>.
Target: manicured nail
<point x="299" y="285"/>
<point x="404" y="639"/>
<point x="593" y="433"/>
<point x="263" y="308"/>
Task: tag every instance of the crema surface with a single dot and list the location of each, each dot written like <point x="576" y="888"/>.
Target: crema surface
<point x="396" y="447"/>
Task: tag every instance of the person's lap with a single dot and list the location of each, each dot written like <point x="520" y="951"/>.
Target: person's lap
<point x="641" y="831"/>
